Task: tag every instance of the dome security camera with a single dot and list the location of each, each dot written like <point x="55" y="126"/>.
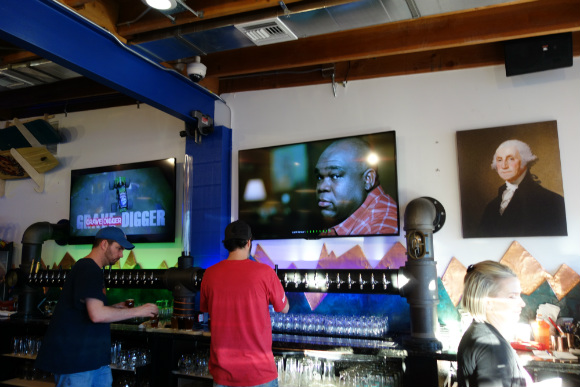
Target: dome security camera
<point x="196" y="70"/>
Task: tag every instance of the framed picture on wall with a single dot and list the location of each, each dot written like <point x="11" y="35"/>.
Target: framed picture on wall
<point x="510" y="181"/>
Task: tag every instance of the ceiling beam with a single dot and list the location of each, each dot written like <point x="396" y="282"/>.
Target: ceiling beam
<point x="65" y="90"/>
<point x="487" y="25"/>
<point x="455" y="58"/>
<point x="39" y="26"/>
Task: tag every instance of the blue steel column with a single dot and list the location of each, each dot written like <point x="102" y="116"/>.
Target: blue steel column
<point x="210" y="195"/>
<point x="55" y="32"/>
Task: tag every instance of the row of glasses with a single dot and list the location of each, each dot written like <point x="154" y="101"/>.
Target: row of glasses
<point x="316" y="324"/>
<point x="296" y="371"/>
<point x="370" y="375"/>
<point x="26" y="345"/>
<point x="194" y="363"/>
<point x="129" y="359"/>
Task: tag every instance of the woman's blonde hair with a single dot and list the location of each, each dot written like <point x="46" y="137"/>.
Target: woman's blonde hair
<point x="481" y="282"/>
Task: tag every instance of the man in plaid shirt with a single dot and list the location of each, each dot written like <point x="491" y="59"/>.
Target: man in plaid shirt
<point x="350" y="197"/>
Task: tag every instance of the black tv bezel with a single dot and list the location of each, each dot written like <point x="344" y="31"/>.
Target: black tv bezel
<point x="329" y="140"/>
<point x="163" y="165"/>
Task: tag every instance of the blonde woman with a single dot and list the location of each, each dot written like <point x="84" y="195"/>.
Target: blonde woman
<point x="491" y="295"/>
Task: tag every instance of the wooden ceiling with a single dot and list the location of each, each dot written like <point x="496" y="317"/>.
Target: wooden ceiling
<point x="458" y="40"/>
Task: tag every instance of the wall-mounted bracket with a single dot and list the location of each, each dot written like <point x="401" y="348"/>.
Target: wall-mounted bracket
<point x="203" y="126"/>
<point x="38" y="178"/>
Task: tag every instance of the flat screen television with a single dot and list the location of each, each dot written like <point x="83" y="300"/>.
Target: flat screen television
<point x="310" y="189"/>
<point x="137" y="197"/>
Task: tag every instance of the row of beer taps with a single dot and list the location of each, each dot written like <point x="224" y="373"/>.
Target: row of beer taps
<point x="324" y="281"/>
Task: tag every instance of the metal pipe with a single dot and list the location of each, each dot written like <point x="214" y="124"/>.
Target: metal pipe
<point x="204" y="25"/>
<point x="420" y="273"/>
<point x="32" y="240"/>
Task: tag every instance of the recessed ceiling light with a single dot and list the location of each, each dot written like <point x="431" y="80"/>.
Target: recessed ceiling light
<point x="161" y="4"/>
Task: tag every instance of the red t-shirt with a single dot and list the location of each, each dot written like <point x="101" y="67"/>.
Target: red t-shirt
<point x="236" y="294"/>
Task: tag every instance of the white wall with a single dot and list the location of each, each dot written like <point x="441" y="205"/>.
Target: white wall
<point x="424" y="110"/>
<point x="94" y="138"/>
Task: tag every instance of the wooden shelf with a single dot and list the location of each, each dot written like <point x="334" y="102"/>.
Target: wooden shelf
<point x="27" y="383"/>
<point x="29" y="357"/>
<point x="191" y="376"/>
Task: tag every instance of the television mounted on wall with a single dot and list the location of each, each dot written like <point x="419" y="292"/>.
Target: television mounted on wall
<point x="137" y="197"/>
<point x="322" y="188"/>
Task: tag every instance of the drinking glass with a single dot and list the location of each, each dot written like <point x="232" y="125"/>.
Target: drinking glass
<point x="185" y="364"/>
<point x="123" y="359"/>
<point x="16" y="345"/>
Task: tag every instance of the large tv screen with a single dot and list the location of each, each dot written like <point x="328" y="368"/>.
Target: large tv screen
<point x="137" y="197"/>
<point x="336" y="187"/>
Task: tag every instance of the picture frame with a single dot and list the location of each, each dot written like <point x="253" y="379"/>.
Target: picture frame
<point x="482" y="188"/>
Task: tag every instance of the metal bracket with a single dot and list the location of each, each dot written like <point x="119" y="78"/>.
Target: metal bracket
<point x="284" y="8"/>
<point x="202" y="127"/>
<point x="38" y="178"/>
<point x="26" y="133"/>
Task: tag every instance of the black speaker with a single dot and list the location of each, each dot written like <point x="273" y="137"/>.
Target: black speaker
<point x="538" y="53"/>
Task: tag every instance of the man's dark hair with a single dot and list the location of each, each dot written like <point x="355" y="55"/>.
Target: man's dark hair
<point x="235" y="244"/>
<point x="99" y="240"/>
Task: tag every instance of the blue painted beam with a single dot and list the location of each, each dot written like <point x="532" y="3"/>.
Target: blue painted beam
<point x="53" y="31"/>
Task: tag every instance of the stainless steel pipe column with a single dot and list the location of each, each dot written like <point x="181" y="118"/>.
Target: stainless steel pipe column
<point x="418" y="278"/>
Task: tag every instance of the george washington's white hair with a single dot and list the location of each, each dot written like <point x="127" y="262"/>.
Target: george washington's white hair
<point x="528" y="158"/>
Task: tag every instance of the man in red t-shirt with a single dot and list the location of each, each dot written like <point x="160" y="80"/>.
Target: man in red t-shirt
<point x="236" y="293"/>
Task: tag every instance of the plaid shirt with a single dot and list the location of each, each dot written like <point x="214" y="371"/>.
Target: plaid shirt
<point x="377" y="215"/>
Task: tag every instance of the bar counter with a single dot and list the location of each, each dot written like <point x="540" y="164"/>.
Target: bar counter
<point x="166" y="346"/>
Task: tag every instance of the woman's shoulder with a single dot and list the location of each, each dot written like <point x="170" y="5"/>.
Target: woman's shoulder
<point x="479" y="334"/>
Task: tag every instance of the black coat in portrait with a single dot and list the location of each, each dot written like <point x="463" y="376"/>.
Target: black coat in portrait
<point x="533" y="211"/>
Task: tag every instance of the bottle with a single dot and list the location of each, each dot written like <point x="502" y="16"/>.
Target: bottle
<point x="541" y="330"/>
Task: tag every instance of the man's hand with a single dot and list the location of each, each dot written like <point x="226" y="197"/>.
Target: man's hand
<point x="100" y="313"/>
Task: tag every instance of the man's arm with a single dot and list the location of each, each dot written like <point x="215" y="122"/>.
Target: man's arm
<point x="286" y="308"/>
<point x="100" y="313"/>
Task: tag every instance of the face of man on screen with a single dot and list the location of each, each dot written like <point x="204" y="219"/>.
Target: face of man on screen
<point x="342" y="181"/>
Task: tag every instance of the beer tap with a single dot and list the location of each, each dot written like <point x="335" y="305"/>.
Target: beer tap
<point x="326" y="280"/>
<point x="385" y="282"/>
<point x="137" y="278"/>
<point x="152" y="279"/>
<point x="285" y="280"/>
<point x="338" y="281"/>
<point x="305" y="281"/>
<point x="316" y="284"/>
<point x="296" y="279"/>
<point x="349" y="281"/>
<point x="361" y="281"/>
<point x="373" y="282"/>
